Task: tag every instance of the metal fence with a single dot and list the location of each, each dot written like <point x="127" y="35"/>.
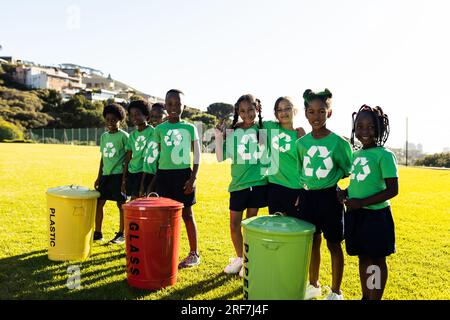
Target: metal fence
<point x="76" y="136"/>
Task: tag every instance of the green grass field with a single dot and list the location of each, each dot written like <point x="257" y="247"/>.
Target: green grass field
<point x="419" y="269"/>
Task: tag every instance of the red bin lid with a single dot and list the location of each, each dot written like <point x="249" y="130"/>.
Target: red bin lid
<point x="153" y="202"/>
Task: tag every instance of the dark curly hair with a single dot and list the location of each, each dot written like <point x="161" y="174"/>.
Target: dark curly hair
<point x="141" y="105"/>
<point x="380" y="120"/>
<point x="159" y="106"/>
<point x="115" y="109"/>
<point x="324" y="96"/>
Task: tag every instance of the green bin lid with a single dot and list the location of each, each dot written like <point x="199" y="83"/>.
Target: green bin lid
<point x="73" y="192"/>
<point x="276" y="224"/>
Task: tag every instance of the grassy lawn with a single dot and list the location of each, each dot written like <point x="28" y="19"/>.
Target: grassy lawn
<point x="419" y="269"/>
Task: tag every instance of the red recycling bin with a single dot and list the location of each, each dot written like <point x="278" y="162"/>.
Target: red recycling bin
<point x="152" y="236"/>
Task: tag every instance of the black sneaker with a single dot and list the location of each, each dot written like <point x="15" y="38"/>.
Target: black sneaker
<point x="98" y="236"/>
<point x="118" y="239"/>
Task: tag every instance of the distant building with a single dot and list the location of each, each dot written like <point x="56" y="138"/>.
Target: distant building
<point x="99" y="95"/>
<point x="47" y="78"/>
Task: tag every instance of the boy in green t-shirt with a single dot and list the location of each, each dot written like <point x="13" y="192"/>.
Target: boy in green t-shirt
<point x="151" y="155"/>
<point x="109" y="180"/>
<point x="139" y="112"/>
<point x="369" y="226"/>
<point x="175" y="179"/>
<point x="324" y="159"/>
<point x="248" y="186"/>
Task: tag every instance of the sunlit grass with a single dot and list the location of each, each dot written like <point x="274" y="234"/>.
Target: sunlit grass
<point x="419" y="269"/>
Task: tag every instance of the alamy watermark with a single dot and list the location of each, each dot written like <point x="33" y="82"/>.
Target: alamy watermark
<point x="74" y="277"/>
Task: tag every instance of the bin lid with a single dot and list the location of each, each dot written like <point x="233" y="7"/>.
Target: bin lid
<point x="153" y="202"/>
<point x="275" y="224"/>
<point x="73" y="192"/>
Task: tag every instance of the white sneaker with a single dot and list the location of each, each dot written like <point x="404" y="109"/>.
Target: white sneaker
<point x="334" y="296"/>
<point x="241" y="273"/>
<point x="234" y="267"/>
<point x="312" y="292"/>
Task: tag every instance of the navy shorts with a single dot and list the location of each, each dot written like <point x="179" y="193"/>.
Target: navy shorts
<point x="253" y="197"/>
<point x="109" y="187"/>
<point x="323" y="209"/>
<point x="133" y="183"/>
<point x="170" y="184"/>
<point x="282" y="199"/>
<point x="369" y="232"/>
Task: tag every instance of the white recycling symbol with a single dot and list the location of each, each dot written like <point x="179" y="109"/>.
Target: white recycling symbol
<point x="361" y="176"/>
<point x="325" y="155"/>
<point x="276" y="142"/>
<point x="242" y="150"/>
<point x="173" y="138"/>
<point x="139" y="144"/>
<point x="151" y="152"/>
<point x="109" y="150"/>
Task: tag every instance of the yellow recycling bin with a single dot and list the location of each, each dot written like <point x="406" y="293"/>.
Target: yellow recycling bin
<point x="71" y="219"/>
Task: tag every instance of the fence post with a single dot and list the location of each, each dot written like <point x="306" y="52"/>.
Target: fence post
<point x="72" y="135"/>
<point x="79" y="135"/>
<point x="87" y="136"/>
<point x="43" y="135"/>
<point x="95" y="135"/>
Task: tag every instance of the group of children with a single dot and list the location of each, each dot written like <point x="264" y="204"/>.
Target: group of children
<point x="296" y="174"/>
<point x="272" y="164"/>
<point x="154" y="157"/>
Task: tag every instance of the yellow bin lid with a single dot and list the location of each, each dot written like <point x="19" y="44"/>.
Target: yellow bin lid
<point x="73" y="192"/>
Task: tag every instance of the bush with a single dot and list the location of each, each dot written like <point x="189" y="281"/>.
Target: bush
<point x="9" y="131"/>
<point x="435" y="160"/>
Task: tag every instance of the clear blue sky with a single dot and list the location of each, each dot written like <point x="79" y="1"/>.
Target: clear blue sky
<point x="389" y="53"/>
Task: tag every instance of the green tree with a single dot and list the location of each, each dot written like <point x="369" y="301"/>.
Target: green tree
<point x="221" y="110"/>
<point x="207" y="119"/>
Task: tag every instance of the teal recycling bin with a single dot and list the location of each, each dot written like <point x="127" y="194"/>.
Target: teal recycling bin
<point x="277" y="252"/>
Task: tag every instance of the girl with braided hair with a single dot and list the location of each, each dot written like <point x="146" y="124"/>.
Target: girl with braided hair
<point x="369" y="226"/>
<point x="248" y="188"/>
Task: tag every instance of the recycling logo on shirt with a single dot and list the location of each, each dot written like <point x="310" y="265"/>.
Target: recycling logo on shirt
<point x="109" y="150"/>
<point x="364" y="164"/>
<point x="276" y="142"/>
<point x="152" y="152"/>
<point x="139" y="144"/>
<point x="173" y="138"/>
<point x="242" y="149"/>
<point x="323" y="153"/>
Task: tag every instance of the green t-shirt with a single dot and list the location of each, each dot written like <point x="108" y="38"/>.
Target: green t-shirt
<point x="323" y="162"/>
<point x="175" y="144"/>
<point x="112" y="147"/>
<point x="151" y="156"/>
<point x="370" y="168"/>
<point x="245" y="153"/>
<point x="137" y="142"/>
<point x="282" y="169"/>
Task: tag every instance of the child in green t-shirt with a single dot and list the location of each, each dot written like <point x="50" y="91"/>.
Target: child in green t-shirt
<point x="175" y="179"/>
<point x="139" y="112"/>
<point x="284" y="178"/>
<point x="324" y="159"/>
<point x="369" y="226"/>
<point x="109" y="180"/>
<point x="248" y="187"/>
<point x="151" y="155"/>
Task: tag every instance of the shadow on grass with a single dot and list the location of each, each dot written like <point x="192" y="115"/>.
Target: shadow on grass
<point x="34" y="276"/>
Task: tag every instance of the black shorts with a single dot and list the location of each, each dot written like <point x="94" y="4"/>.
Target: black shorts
<point x="322" y="208"/>
<point x="369" y="232"/>
<point x="170" y="184"/>
<point x="134" y="183"/>
<point x="253" y="197"/>
<point x="283" y="199"/>
<point x="109" y="187"/>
